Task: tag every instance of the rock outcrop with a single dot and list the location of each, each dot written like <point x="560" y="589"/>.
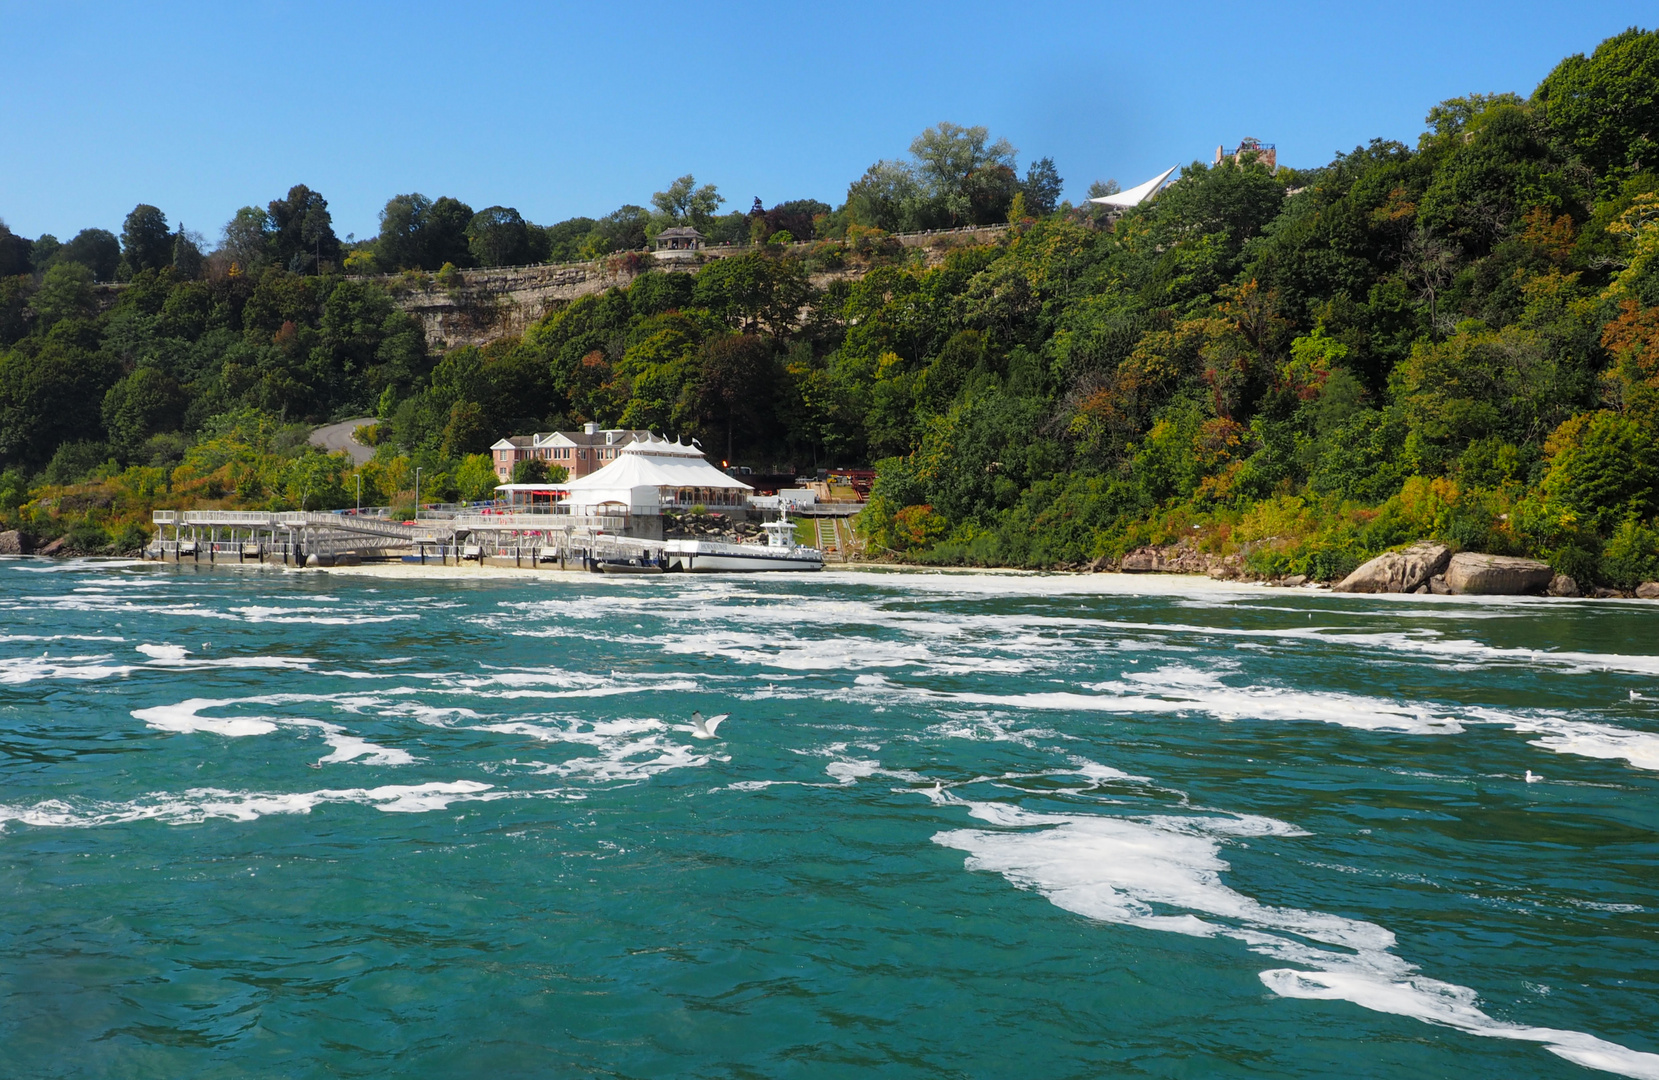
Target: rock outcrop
<point x="1562" y="585"/>
<point x="13" y="542"/>
<point x="1473" y="574"/>
<point x="1398" y="571"/>
<point x="1648" y="590"/>
<point x="1181" y="558"/>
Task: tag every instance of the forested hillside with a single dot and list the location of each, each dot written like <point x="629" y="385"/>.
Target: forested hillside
<point x="1457" y="339"/>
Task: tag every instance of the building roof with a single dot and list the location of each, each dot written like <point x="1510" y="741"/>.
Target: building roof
<point x="603" y="437"/>
<point x="656" y="463"/>
<point x="516" y="442"/>
<point x="1137" y="194"/>
<point x="681" y="232"/>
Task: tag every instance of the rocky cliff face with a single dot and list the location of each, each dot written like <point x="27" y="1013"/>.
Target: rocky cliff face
<point x="476" y="307"/>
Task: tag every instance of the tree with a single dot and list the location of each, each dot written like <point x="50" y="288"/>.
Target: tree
<point x="736" y="387"/>
<point x="964" y="171"/>
<point x="622" y="229"/>
<point x="141" y="405"/>
<point x="445" y="239"/>
<point x="476" y="478"/>
<point x="754" y="290"/>
<point x="187" y="254"/>
<point x="302" y="231"/>
<point x="1605" y="467"/>
<point x="1042" y="187"/>
<point x="498" y="236"/>
<point x="684" y="203"/>
<point x="403" y="223"/>
<point x="65" y="293"/>
<point x="146" y="241"/>
<point x="417" y="232"/>
<point x="530" y="471"/>
<point x="1607" y="106"/>
<point x="795" y="217"/>
<point x="15" y="253"/>
<point x="246" y="240"/>
<point x="96" y="249"/>
<point x="886" y="197"/>
<point x="50" y="398"/>
<point x="565" y="240"/>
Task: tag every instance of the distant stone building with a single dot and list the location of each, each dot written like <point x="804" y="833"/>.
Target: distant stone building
<point x="580" y="452"/>
<point x="679" y="238"/>
<point x="1266" y="153"/>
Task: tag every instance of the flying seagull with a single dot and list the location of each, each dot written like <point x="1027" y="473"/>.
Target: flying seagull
<point x="704" y="729"/>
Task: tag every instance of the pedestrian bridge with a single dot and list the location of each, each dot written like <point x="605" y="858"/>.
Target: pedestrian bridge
<point x="298" y="535"/>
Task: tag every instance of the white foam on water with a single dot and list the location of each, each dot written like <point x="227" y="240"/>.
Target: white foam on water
<point x="1105" y="774"/>
<point x="1478" y="654"/>
<point x="1163" y="873"/>
<point x="1580" y="738"/>
<point x="7" y="638"/>
<point x="186" y="717"/>
<point x="628" y="750"/>
<point x="317" y="616"/>
<point x="1184" y="689"/>
<point x="798" y="654"/>
<point x="18" y="670"/>
<point x="177" y="656"/>
<point x="201" y="804"/>
<point x="852" y="770"/>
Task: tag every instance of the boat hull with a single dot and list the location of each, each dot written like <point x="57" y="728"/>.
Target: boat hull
<point x="711" y="564"/>
<point x="700" y="557"/>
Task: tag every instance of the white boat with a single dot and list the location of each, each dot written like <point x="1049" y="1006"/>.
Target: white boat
<point x="780" y="552"/>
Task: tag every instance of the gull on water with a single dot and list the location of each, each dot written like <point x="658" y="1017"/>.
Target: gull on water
<point x="704" y="729"/>
<point x="1532" y="777"/>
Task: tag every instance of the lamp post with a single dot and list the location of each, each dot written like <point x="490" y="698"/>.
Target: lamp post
<point x="417" y="494"/>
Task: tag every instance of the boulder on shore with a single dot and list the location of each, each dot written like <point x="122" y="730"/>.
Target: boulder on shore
<point x="1562" y="585"/>
<point x="1398" y="571"/>
<point x="1139" y="562"/>
<point x="1648" y="590"/>
<point x="13" y="542"/>
<point x="1472" y="574"/>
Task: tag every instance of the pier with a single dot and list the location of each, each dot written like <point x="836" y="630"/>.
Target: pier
<point x="318" y="538"/>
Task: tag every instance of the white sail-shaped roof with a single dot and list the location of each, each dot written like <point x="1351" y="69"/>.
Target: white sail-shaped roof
<point x="658" y="463"/>
<point x="649" y="475"/>
<point x="1137" y="194"/>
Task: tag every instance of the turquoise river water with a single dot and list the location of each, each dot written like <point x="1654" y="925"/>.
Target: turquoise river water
<point x="274" y="823"/>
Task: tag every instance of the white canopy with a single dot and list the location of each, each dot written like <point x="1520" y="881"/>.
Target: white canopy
<point x="1137" y="194"/>
<point x="646" y="475"/>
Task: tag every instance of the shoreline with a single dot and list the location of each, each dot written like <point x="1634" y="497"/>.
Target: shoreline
<point x="1103" y="583"/>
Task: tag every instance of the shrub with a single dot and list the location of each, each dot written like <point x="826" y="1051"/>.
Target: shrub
<point x="130" y="538"/>
<point x="86" y="538"/>
<point x="1603" y="466"/>
<point x="1631" y="556"/>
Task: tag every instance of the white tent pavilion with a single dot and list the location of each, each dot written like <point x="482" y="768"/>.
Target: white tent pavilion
<point x="1137" y="194"/>
<point x="652" y="475"/>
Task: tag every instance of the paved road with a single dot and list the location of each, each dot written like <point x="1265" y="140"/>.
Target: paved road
<point x="337" y="437"/>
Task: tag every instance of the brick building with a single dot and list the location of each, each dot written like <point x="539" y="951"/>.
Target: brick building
<point x="580" y="452"/>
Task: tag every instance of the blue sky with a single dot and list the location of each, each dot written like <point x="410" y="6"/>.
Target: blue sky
<point x="560" y="110"/>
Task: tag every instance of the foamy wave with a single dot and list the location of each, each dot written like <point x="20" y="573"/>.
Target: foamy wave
<point x="1136" y="871"/>
<point x="17" y="670"/>
<point x="186" y="718"/>
<point x="625" y="751"/>
<point x="201" y="804"/>
<point x="1182" y="689"/>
